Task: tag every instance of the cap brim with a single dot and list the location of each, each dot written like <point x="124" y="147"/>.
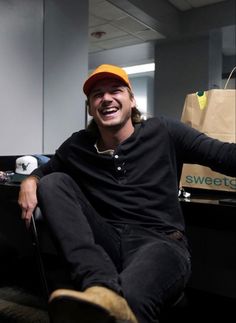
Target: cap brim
<point x="18" y="178"/>
<point x="89" y="84"/>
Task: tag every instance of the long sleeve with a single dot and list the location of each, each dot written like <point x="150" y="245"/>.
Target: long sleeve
<point x="195" y="147"/>
<point x="57" y="163"/>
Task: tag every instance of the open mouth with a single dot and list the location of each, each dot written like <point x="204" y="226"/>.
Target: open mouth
<point x="109" y="111"/>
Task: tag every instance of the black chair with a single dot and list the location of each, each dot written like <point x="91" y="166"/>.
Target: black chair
<point x="51" y="267"/>
<point x="37" y="216"/>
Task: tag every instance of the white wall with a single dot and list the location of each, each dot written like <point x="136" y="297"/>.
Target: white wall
<point x="43" y="64"/>
<point x="182" y="67"/>
<point x="143" y="90"/>
<point x="65" y="69"/>
<point x="21" y="75"/>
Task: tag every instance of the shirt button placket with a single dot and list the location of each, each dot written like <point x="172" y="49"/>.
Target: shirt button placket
<point x="118" y="167"/>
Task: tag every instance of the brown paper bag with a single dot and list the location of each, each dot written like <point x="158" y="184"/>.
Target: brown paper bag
<point x="214" y="113"/>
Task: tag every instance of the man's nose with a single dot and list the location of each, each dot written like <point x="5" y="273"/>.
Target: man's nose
<point x="107" y="97"/>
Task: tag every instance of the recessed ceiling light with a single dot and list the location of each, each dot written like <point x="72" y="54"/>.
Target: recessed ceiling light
<point x="140" y="68"/>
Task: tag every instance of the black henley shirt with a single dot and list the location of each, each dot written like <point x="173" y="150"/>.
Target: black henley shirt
<point x="139" y="183"/>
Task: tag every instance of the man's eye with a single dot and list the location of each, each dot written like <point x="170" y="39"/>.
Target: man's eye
<point x="97" y="95"/>
<point x="116" y="91"/>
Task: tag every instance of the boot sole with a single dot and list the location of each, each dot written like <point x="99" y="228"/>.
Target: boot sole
<point x="67" y="309"/>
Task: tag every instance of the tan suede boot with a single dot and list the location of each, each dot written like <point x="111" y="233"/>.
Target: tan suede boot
<point x="96" y="301"/>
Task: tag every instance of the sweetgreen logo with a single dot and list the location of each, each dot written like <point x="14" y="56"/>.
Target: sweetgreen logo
<point x="217" y="181"/>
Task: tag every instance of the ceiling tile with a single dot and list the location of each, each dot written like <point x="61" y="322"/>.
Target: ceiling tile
<point x="129" y="24"/>
<point x="107" y="11"/>
<point x="149" y="35"/>
<point x="120" y="42"/>
<point x="94" y="47"/>
<point x="123" y="30"/>
<point x="95" y="21"/>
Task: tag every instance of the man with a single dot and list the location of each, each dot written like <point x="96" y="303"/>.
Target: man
<point x="109" y="196"/>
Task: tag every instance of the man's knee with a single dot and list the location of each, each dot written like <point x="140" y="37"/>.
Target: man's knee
<point x="51" y="181"/>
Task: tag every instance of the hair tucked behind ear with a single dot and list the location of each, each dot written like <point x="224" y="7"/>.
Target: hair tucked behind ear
<point x="136" y="116"/>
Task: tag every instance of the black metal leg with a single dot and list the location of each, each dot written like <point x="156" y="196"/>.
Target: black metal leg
<point x="36" y="243"/>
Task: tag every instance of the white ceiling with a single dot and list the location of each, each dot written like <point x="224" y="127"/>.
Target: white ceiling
<point x="120" y="29"/>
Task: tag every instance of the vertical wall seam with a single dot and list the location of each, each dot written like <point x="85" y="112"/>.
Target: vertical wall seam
<point x="43" y="75"/>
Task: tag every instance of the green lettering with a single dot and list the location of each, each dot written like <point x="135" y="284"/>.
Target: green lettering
<point x="211" y="181"/>
<point x="226" y="181"/>
<point x="233" y="183"/>
<point x="208" y="180"/>
<point x="199" y="179"/>
<point x="217" y="181"/>
<point x="189" y="179"/>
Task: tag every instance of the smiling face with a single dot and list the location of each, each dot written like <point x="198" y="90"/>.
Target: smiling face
<point x="110" y="104"/>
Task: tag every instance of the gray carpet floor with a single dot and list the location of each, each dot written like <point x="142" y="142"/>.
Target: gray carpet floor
<point x="20" y="306"/>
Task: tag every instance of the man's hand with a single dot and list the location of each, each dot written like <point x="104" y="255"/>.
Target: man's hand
<point x="28" y="198"/>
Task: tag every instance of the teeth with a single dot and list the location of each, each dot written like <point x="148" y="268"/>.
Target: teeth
<point x="109" y="110"/>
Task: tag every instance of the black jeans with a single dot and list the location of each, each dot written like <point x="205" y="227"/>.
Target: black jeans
<point x="147" y="267"/>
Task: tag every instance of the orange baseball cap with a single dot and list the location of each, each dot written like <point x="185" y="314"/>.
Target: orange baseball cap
<point x="105" y="71"/>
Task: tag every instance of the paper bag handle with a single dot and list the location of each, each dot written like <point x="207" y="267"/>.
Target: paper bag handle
<point x="226" y="84"/>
